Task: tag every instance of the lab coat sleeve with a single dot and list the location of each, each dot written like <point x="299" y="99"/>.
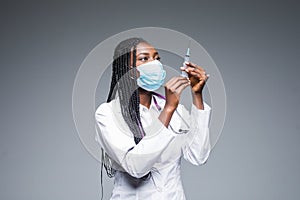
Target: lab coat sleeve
<point x="137" y="160"/>
<point x="197" y="147"/>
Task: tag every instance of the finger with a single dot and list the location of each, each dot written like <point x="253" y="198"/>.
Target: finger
<point x="170" y="82"/>
<point x="190" y="64"/>
<point x="200" y="76"/>
<point x="195" y="69"/>
<point x="200" y="71"/>
<point x="181" y="82"/>
<point x="173" y="80"/>
<point x="193" y="65"/>
<point x="178" y="84"/>
<point x="182" y="87"/>
<point x="193" y="72"/>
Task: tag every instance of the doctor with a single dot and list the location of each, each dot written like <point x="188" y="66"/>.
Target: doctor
<point x="144" y="135"/>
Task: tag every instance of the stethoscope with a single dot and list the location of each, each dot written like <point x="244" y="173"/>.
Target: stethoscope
<point x="180" y="131"/>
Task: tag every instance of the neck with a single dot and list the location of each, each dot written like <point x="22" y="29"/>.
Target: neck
<point x="145" y="97"/>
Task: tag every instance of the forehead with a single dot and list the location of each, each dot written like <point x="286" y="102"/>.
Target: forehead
<point x="144" y="48"/>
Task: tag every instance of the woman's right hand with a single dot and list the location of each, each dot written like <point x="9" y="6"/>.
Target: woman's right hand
<point x="173" y="90"/>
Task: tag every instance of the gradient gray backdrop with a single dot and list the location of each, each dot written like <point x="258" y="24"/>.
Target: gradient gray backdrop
<point x="254" y="43"/>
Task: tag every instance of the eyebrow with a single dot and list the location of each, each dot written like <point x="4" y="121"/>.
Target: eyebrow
<point x="145" y="53"/>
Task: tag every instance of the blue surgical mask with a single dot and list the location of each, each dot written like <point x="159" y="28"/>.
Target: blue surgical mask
<point x="152" y="75"/>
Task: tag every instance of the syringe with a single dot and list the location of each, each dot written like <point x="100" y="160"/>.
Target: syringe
<point x="186" y="59"/>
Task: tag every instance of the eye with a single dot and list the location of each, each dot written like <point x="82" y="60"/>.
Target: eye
<point x="143" y="58"/>
<point x="157" y="58"/>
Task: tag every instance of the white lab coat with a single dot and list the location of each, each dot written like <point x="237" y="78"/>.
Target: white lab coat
<point x="159" y="152"/>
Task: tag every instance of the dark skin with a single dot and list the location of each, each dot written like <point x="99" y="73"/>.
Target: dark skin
<point x="174" y="87"/>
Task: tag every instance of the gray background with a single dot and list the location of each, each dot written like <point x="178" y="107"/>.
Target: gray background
<point x="254" y="43"/>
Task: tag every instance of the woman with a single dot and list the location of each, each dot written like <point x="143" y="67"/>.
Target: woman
<point x="144" y="135"/>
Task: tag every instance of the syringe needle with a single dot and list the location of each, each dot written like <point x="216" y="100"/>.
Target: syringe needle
<point x="186" y="59"/>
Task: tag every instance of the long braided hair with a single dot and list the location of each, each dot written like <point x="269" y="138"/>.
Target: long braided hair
<point x="124" y="83"/>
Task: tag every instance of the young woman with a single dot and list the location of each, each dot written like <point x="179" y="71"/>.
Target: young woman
<point x="144" y="135"/>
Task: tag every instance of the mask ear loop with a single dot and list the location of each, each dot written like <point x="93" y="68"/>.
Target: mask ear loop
<point x="133" y="73"/>
<point x="131" y="77"/>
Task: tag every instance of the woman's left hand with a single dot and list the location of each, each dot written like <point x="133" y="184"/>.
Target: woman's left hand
<point x="197" y="76"/>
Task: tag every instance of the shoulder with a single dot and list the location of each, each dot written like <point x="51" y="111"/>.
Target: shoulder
<point x="109" y="118"/>
<point x="105" y="108"/>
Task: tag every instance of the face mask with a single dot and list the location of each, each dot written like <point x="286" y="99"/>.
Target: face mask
<point x="152" y="75"/>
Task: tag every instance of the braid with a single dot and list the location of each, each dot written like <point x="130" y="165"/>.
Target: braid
<point x="124" y="83"/>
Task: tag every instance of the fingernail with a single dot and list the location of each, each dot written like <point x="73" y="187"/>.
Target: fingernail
<point x="186" y="62"/>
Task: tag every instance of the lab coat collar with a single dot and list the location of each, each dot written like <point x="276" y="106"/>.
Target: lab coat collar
<point x="142" y="107"/>
<point x="152" y="106"/>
